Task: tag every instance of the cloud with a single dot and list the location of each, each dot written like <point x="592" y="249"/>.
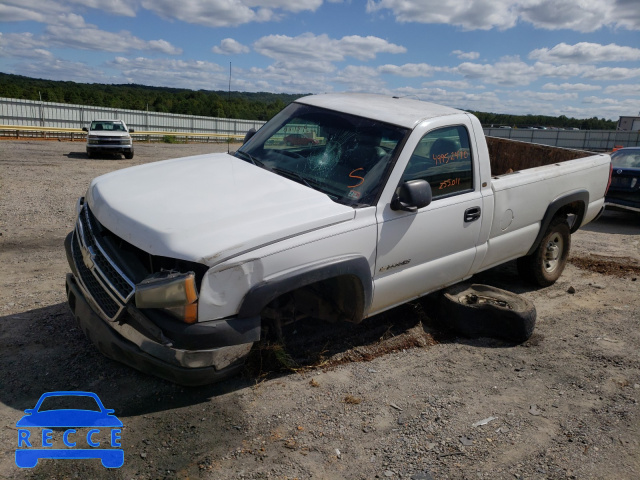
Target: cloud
<point x="466" y="55"/>
<point x="229" y="46"/>
<point x="611" y="73"/>
<point x="227" y="13"/>
<point x="549" y="96"/>
<point x="281" y="79"/>
<point x="192" y="74"/>
<point x="584" y="52"/>
<point x="627" y="90"/>
<point x="576" y="87"/>
<point x="470" y="15"/>
<point x="601" y="101"/>
<point x="453" y="84"/>
<point x="487" y="101"/>
<point x="309" y="47"/>
<point x="408" y="70"/>
<point x="29" y="10"/>
<point x="508" y="72"/>
<point x="116" y="7"/>
<point x="92" y="38"/>
<point x="579" y="15"/>
<point x="360" y="79"/>
<point x="23" y="45"/>
<point x="56" y="69"/>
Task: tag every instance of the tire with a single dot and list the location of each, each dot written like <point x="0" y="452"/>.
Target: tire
<point x="128" y="155"/>
<point x="545" y="265"/>
<point x="90" y="154"/>
<point x="485" y="311"/>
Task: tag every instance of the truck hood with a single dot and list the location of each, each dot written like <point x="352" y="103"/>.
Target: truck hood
<point x="207" y="208"/>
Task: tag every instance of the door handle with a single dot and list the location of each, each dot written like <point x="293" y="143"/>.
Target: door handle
<point x="471" y="214"/>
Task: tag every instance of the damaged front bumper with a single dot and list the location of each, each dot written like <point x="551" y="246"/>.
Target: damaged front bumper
<point x="196" y="354"/>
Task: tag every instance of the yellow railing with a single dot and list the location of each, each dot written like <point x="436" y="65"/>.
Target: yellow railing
<point x="44" y="131"/>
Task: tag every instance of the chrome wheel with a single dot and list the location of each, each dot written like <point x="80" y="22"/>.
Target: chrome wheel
<point x="553" y="252"/>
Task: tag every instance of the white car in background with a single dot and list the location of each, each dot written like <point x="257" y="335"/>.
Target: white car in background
<point x="109" y="136"/>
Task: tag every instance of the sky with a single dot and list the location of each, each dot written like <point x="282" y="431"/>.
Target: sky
<point x="578" y="58"/>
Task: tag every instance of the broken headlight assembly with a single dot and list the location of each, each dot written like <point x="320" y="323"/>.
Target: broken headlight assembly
<point x="172" y="291"/>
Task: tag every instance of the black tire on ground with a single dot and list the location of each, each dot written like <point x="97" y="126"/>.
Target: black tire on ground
<point x="128" y="155"/>
<point x="544" y="266"/>
<point x="90" y="154"/>
<point x="485" y="311"/>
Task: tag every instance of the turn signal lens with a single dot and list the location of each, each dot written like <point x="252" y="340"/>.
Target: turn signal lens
<point x="188" y="313"/>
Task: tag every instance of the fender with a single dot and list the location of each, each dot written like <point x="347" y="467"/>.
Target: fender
<point x="581" y="198"/>
<point x="264" y="292"/>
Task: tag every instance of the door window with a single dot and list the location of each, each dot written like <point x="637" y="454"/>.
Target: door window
<point x="443" y="158"/>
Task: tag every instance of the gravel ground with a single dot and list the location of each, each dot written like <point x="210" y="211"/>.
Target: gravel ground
<point x="399" y="396"/>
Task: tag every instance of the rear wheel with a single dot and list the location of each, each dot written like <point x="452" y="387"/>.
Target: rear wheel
<point x="545" y="265"/>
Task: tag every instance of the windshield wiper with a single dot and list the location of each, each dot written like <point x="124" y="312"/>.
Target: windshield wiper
<point x="296" y="176"/>
<point x="250" y="157"/>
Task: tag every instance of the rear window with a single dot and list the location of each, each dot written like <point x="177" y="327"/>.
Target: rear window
<point x="626" y="159"/>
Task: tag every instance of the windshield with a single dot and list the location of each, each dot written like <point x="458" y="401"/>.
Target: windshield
<point x="65" y="402"/>
<point x="626" y="158"/>
<point x="344" y="156"/>
<point x="107" y="126"/>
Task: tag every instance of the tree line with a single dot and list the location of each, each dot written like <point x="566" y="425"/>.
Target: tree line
<point x="524" y="121"/>
<point x="238" y="105"/>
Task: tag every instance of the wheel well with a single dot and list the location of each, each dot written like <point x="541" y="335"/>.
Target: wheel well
<point x="342" y="283"/>
<point x="331" y="299"/>
<point x="574" y="209"/>
<point x="572" y="204"/>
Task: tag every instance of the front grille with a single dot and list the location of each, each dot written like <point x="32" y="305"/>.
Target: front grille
<point x="100" y="277"/>
<point x="111" y="141"/>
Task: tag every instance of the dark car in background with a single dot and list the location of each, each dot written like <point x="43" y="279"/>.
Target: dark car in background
<point x="624" y="192"/>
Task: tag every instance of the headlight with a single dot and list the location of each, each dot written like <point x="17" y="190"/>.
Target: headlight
<point x="173" y="291"/>
<point x="125" y="141"/>
<point x="93" y="140"/>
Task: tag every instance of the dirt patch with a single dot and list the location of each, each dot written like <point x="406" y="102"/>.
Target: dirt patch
<point x="617" y="267"/>
<point x="397" y="396"/>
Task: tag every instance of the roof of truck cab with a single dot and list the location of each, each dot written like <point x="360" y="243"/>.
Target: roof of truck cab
<point x="404" y="112"/>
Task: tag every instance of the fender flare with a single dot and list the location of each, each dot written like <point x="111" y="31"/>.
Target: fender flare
<point x="580" y="197"/>
<point x="264" y="292"/>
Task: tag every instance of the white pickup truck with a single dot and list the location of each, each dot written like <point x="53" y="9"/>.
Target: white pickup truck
<point x="177" y="264"/>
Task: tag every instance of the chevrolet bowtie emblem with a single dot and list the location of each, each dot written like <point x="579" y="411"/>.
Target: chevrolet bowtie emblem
<point x="87" y="257"/>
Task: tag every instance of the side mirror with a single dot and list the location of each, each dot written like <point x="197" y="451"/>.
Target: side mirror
<point x="131" y="130"/>
<point x="84" y="129"/>
<point x="412" y="196"/>
<point x="250" y="133"/>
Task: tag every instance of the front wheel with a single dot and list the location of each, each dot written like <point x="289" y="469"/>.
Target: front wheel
<point x="128" y="155"/>
<point x="545" y="265"/>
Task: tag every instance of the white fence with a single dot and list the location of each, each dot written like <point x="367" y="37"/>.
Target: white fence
<point x="63" y="115"/>
<point x="594" y="140"/>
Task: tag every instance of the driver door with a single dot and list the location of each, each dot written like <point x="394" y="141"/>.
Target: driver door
<point x="419" y="252"/>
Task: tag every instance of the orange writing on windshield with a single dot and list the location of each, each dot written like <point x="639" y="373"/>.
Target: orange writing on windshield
<point x="351" y="175"/>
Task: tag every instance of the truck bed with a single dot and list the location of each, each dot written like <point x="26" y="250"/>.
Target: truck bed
<point x="540" y="174"/>
<point x="507" y="156"/>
